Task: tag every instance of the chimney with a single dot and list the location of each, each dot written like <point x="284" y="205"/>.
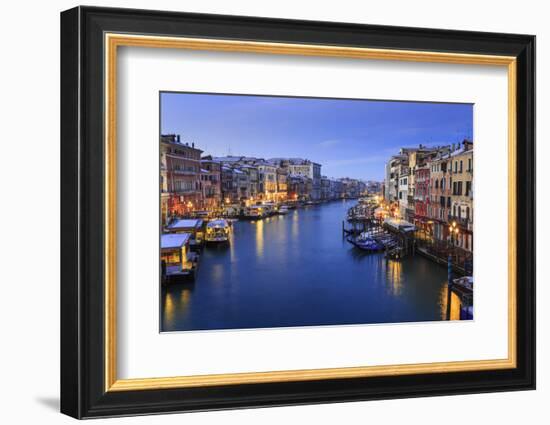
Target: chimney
<point x="178" y="138"/>
<point x="193" y="144"/>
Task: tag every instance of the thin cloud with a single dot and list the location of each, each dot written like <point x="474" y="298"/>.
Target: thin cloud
<point x="329" y="143"/>
<point x="357" y="161"/>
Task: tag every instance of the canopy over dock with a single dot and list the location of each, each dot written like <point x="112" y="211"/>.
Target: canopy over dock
<point x="399" y="225"/>
<point x="185" y="224"/>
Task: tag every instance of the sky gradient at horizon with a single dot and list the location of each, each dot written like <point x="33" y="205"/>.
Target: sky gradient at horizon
<point x="349" y="138"/>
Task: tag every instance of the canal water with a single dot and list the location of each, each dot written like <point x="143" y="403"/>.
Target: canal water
<point x="298" y="270"/>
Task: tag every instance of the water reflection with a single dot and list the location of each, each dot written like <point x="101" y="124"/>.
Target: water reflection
<point x="394" y="273"/>
<point x="176" y="302"/>
<point x="298" y="270"/>
<point x="259" y="238"/>
<point x="455" y="304"/>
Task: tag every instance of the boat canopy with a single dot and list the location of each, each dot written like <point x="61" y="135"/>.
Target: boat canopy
<point x="218" y="223"/>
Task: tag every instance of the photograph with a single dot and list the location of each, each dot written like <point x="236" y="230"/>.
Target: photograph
<point x="281" y="211"/>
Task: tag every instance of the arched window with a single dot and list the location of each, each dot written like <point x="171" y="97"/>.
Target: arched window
<point x="443" y="183"/>
<point x="436" y="184"/>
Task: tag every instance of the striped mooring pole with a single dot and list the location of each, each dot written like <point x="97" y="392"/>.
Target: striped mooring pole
<point x="449" y="270"/>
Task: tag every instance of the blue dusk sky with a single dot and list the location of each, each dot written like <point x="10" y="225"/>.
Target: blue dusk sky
<point x="349" y="138"/>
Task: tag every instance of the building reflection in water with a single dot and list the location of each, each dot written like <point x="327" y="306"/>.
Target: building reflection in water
<point x="176" y="302"/>
<point x="455" y="303"/>
<point x="394" y="277"/>
<point x="295" y="226"/>
<point x="260" y="238"/>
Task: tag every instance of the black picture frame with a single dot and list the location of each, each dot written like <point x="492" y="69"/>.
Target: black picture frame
<point x="82" y="219"/>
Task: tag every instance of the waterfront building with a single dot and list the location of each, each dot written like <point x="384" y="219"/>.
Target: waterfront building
<point x="440" y="195"/>
<point x="352" y="188"/>
<point x="375" y="187"/>
<point x="243" y="184"/>
<point x="229" y="185"/>
<point x="416" y="158"/>
<point x="325" y="188"/>
<point x="268" y="180"/>
<point x="306" y="168"/>
<point x="253" y="181"/>
<point x="180" y="177"/>
<point x="403" y="189"/>
<point x="211" y="183"/>
<point x="335" y="189"/>
<point x="393" y="169"/>
<point x="461" y="210"/>
<point x="298" y="187"/>
<point x="422" y="199"/>
<point x="282" y="184"/>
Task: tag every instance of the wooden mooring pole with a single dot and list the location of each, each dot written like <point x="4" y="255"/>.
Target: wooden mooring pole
<point x="449" y="285"/>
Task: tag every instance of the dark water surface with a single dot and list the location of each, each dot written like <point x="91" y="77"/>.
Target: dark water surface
<point x="298" y="270"/>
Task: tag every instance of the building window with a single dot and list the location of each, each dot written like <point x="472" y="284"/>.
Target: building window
<point x="461" y="166"/>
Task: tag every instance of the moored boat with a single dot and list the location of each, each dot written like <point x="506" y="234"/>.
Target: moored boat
<point x="217" y="231"/>
<point x="253" y="212"/>
<point x="365" y="243"/>
<point x="283" y="209"/>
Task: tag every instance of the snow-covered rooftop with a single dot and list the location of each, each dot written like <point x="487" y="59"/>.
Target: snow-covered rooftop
<point x="174" y="240"/>
<point x="185" y="223"/>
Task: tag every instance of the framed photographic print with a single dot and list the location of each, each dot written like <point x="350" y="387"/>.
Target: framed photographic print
<point x="261" y="212"/>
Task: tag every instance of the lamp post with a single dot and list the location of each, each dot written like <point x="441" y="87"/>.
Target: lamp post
<point x="453" y="229"/>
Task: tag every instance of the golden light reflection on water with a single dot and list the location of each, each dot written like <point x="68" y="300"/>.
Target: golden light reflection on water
<point x="174" y="304"/>
<point x="295" y="226"/>
<point x="217" y="273"/>
<point x="260" y="238"/>
<point x="394" y="277"/>
<point x="232" y="240"/>
<point x="455" y="304"/>
<point x="169" y="310"/>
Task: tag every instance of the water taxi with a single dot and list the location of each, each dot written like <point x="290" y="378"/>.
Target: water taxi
<point x="217" y="231"/>
<point x="254" y="212"/>
<point x="270" y="208"/>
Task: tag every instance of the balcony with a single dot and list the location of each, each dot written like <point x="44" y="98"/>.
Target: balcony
<point x="465" y="223"/>
<point x="184" y="172"/>
<point x="184" y="191"/>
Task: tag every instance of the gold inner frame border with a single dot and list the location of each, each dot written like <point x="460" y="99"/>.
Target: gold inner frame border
<point x="113" y="40"/>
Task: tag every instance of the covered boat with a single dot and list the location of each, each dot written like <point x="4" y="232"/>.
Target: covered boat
<point x="366" y="243"/>
<point x="217" y="231"/>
